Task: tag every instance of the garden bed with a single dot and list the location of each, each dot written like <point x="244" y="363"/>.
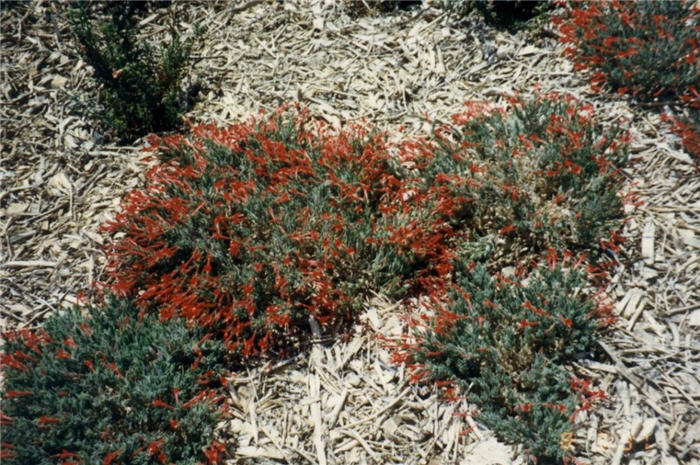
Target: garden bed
<point x="345" y="402"/>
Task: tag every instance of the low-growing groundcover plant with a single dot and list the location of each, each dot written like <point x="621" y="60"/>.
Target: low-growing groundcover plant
<point x="141" y="85"/>
<point x="543" y="179"/>
<point x="647" y="49"/>
<point x="254" y="229"/>
<point x="261" y="230"/>
<point x="110" y="385"/>
<point x="543" y="174"/>
<point x="503" y="344"/>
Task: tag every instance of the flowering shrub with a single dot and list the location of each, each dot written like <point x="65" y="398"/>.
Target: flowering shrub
<point x="503" y="344"/>
<point x="140" y="86"/>
<point x="649" y="50"/>
<point x="258" y="230"/>
<point x="115" y="386"/>
<point x="255" y="229"/>
<point x="541" y="175"/>
<point x="514" y="187"/>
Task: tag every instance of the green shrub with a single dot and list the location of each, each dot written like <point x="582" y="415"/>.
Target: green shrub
<point x="646" y="49"/>
<point x="504" y="344"/>
<point x="254" y="229"/>
<point x="141" y="86"/>
<point x="110" y="385"/>
<point x="511" y="14"/>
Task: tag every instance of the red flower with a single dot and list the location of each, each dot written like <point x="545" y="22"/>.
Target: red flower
<point x="212" y="452"/>
<point x="567" y="321"/>
<point x="630" y="52"/>
<point x="155" y="446"/>
<point x="44" y="420"/>
<point x="506" y="229"/>
<point x="13" y="394"/>
<point x="4" y="419"/>
<point x="537" y="311"/>
<point x="10" y="361"/>
<point x="525" y="408"/>
<point x="5" y="452"/>
<point x="65" y="455"/>
<point x="111" y="456"/>
<point x="160" y="404"/>
<point x="525" y="324"/>
<point x="114" y="368"/>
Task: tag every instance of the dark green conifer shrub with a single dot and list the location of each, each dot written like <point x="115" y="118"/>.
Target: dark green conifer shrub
<point x="509" y="13"/>
<point x="110" y="385"/>
<point x="141" y="85"/>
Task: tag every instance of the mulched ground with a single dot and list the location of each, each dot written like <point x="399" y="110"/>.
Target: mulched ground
<point x="60" y="178"/>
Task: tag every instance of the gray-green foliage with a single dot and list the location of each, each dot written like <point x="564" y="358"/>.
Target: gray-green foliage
<point x="505" y="346"/>
<point x="91" y="383"/>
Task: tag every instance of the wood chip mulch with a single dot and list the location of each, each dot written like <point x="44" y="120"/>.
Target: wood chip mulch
<point x="61" y="178"/>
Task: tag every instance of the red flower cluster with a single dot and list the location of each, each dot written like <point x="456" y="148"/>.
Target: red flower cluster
<point x="641" y="48"/>
<point x="646" y="49"/>
<point x="254" y="229"/>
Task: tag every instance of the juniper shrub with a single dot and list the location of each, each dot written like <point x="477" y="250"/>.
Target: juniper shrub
<point x="141" y="85"/>
<point x="110" y="385"/>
